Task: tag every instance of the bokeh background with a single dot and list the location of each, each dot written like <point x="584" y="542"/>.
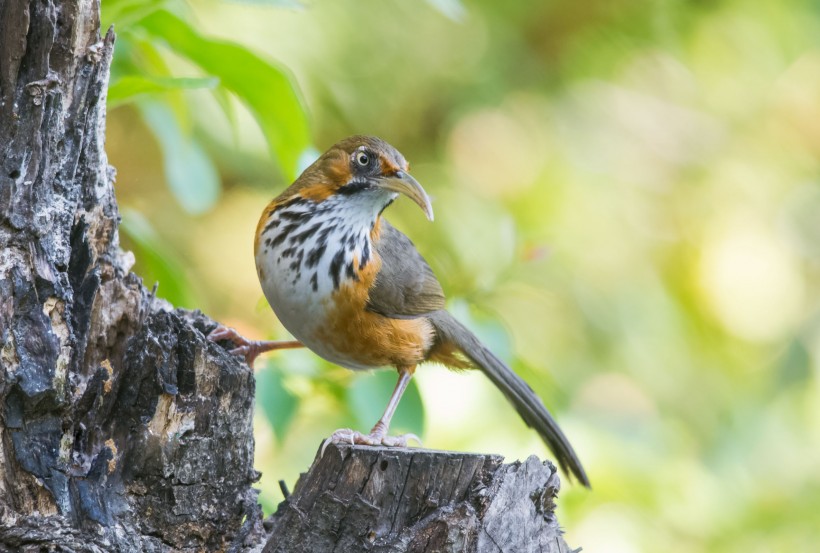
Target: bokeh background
<point x="627" y="200"/>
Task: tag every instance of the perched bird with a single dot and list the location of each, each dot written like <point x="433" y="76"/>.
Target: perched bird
<point x="354" y="289"/>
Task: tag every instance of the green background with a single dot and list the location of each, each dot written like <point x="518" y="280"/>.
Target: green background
<point x="627" y="199"/>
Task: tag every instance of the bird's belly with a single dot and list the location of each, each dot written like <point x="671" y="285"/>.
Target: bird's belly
<point x="334" y="322"/>
<point x="301" y="309"/>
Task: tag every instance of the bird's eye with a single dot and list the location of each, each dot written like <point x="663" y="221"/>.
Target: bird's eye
<point x="363" y="159"/>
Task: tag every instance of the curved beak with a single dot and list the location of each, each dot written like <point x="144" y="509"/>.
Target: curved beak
<point x="403" y="183"/>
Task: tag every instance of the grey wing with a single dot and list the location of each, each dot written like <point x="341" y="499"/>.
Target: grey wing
<point x="405" y="286"/>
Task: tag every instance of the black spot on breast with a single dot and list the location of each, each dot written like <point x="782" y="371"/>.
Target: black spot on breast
<point x="297" y="263"/>
<point x="283" y="234"/>
<point x="296" y="216"/>
<point x="314" y="256"/>
<point x="336" y="268"/>
<point x="322" y="238"/>
<point x="300" y="238"/>
<point x="314" y="282"/>
<point x="351" y="271"/>
<point x="289" y="252"/>
<point x="365" y="255"/>
<point x="271" y="225"/>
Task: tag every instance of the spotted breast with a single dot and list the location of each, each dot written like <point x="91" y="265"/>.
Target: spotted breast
<point x="317" y="262"/>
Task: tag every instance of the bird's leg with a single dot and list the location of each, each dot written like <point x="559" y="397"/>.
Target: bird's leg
<point x="380" y="429"/>
<point x="249" y="349"/>
<point x="378" y="435"/>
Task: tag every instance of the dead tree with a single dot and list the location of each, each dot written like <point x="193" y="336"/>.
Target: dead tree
<point x="121" y="427"/>
<point x="419" y="501"/>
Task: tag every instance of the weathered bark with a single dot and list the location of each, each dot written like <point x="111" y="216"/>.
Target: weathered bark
<point x="419" y="501"/>
<point x="121" y="427"/>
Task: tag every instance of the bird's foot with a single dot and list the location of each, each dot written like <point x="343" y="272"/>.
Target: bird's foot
<point x="249" y="349"/>
<point x="376" y="437"/>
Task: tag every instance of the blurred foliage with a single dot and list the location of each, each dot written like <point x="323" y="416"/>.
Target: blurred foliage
<point x="627" y="200"/>
<point x="150" y="40"/>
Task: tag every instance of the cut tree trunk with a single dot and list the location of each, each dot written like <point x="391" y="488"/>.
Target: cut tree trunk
<point x="419" y="501"/>
<point x="122" y="428"/>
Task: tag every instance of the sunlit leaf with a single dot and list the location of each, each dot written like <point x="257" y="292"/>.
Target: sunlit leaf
<point x="131" y="86"/>
<point x="368" y="394"/>
<point x="263" y="87"/>
<point x="191" y="174"/>
<point x="278" y="404"/>
<point x="156" y="262"/>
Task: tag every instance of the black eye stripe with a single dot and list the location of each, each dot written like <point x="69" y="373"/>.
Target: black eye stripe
<point x="353" y="187"/>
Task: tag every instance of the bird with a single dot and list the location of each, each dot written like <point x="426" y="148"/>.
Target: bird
<point x="355" y="290"/>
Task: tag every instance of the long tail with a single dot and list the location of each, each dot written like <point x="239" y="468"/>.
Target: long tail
<point x="528" y="405"/>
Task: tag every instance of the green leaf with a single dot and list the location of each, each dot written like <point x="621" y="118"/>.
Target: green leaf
<point x="131" y="86"/>
<point x="191" y="174"/>
<point x="264" y="88"/>
<point x="368" y="394"/>
<point x="488" y="328"/>
<point x="278" y="404"/>
<point x="794" y="366"/>
<point x="124" y="13"/>
<point x="223" y="98"/>
<point x="156" y="262"/>
<point x="142" y="57"/>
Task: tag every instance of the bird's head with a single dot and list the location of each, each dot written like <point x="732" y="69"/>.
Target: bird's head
<point x="366" y="171"/>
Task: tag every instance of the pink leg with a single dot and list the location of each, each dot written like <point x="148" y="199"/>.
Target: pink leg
<point x="249" y="349"/>
<point x="378" y="435"/>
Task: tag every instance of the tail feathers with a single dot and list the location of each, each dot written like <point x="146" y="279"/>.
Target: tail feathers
<point x="526" y="402"/>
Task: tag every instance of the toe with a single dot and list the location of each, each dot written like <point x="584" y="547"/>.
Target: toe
<point x="217" y="334"/>
<point x="241" y="350"/>
<point x="352" y="437"/>
<point x="400" y="441"/>
<point x="226" y="333"/>
<point x="340" y="436"/>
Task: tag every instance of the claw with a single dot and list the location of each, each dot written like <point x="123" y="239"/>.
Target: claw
<point x="324" y="447"/>
<point x="249" y="349"/>
<point x="340" y="436"/>
<point x="401" y="441"/>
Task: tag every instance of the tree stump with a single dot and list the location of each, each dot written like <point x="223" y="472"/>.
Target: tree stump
<point x="122" y="428"/>
<point x="419" y="501"/>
